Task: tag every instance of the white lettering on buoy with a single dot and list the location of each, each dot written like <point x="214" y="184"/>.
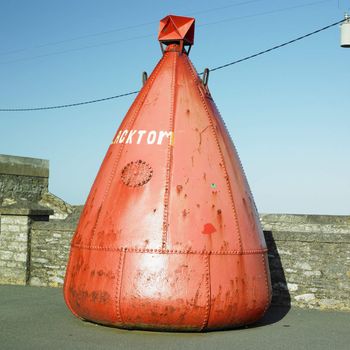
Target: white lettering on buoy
<point x="141" y="133"/>
<point x="162" y="134"/>
<point x="116" y="139"/>
<point x="123" y="136"/>
<point x="144" y="136"/>
<point x="131" y="134"/>
<point x="151" y="137"/>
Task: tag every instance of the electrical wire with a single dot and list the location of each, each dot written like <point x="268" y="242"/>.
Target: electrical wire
<point x="67" y="105"/>
<point x="211" y="70"/>
<point x="78" y="49"/>
<point x="276" y="47"/>
<point x="53" y="43"/>
<point x="113" y="42"/>
<point x="120" y="29"/>
<point x="283" y="9"/>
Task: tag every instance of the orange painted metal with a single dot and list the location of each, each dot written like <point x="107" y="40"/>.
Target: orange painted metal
<point x="169" y="238"/>
<point x="176" y="28"/>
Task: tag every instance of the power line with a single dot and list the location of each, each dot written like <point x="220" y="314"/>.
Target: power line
<point x="78" y="49"/>
<point x="53" y="43"/>
<point x="113" y="42"/>
<point x="283" y="9"/>
<point x="119" y="29"/>
<point x="276" y="47"/>
<point x="213" y="9"/>
<point x="211" y="70"/>
<point x="67" y="105"/>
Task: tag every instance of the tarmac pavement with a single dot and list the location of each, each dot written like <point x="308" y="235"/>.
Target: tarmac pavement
<point x="37" y="318"/>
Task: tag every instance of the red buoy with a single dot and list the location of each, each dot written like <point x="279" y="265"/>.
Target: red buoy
<point x="169" y="238"/>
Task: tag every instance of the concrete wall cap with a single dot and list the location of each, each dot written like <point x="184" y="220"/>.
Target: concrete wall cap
<point x="25" y="209"/>
<point x="24" y="166"/>
<point x="305" y="219"/>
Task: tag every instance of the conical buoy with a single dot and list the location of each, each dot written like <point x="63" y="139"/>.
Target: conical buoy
<point x="169" y="238"/>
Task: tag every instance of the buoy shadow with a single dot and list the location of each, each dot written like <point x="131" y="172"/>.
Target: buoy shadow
<point x="281" y="300"/>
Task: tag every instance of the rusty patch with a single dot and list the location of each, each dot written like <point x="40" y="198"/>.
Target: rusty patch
<point x="136" y="173"/>
<point x="208" y="229"/>
<point x="178" y="188"/>
<point x="185" y="212"/>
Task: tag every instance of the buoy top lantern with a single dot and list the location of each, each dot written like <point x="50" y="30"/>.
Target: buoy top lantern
<point x="176" y="30"/>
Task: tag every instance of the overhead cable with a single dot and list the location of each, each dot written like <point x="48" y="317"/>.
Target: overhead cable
<point x="118" y="41"/>
<point x="276" y="47"/>
<point x="119" y="29"/>
<point x="211" y="70"/>
<point x="67" y="105"/>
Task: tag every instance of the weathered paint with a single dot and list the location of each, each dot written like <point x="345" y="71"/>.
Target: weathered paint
<point x="169" y="237"/>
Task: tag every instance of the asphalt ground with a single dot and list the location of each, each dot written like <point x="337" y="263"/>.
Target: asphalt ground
<point x="37" y="318"/>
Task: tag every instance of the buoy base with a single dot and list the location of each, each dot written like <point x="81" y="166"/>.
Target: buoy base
<point x="166" y="290"/>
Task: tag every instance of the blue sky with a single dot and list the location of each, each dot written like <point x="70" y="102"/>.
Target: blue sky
<point x="287" y="111"/>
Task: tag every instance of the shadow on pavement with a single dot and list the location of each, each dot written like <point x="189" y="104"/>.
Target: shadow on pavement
<point x="281" y="300"/>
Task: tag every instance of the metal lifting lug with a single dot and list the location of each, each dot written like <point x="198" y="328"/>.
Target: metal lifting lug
<point x="205" y="76"/>
<point x="144" y="78"/>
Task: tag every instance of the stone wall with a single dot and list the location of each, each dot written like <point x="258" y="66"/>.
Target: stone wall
<point x="24" y="200"/>
<point x="21" y="187"/>
<point x="22" y="178"/>
<point x="309" y="258"/>
<point x="49" y="252"/>
<point x="309" y="255"/>
<point x="13" y="249"/>
<point x="15" y="240"/>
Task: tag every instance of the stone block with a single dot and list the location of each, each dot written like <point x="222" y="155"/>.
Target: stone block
<point x="22" y="257"/>
<point x="17" y="246"/>
<point x="14" y="228"/>
<point x="14" y="264"/>
<point x="57" y="281"/>
<point x="37" y="282"/>
<point x="6" y="255"/>
<point x="292" y="287"/>
<point x="22" y="237"/>
<point x="3" y="226"/>
<point x="12" y="276"/>
<point x="17" y="220"/>
<point x="39" y="260"/>
<point x="305" y="297"/>
<point x="312" y="273"/>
